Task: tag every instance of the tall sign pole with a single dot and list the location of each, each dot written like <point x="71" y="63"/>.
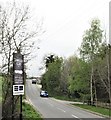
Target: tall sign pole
<point x="109" y="52"/>
<point x="18" y="77"/>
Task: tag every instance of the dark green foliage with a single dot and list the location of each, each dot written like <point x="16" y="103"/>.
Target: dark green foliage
<point x="79" y="78"/>
<point x="74" y="77"/>
<point x="49" y="59"/>
<point x="51" y="79"/>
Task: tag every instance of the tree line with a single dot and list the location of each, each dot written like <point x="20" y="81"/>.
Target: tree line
<point x="85" y="76"/>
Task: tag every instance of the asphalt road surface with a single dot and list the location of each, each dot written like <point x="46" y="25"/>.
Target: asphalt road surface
<point x="51" y="108"/>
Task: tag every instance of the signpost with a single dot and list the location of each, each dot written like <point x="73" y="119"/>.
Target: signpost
<point x="109" y="52"/>
<point x="18" y="79"/>
<point x="18" y="87"/>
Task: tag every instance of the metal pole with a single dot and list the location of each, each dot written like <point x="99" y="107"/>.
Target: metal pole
<point x="12" y="107"/>
<point x="109" y="52"/>
<point x="109" y="80"/>
<point x="21" y="95"/>
<point x="20" y="107"/>
<point x="12" y="91"/>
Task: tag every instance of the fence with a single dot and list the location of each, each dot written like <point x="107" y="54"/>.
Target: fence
<point x="99" y="104"/>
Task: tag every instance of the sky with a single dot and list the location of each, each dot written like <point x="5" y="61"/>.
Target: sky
<point x="64" y="22"/>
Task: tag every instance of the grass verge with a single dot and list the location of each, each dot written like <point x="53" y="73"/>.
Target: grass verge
<point x="99" y="110"/>
<point x="0" y="89"/>
<point x="66" y="98"/>
<point x="30" y="113"/>
<point x="95" y="109"/>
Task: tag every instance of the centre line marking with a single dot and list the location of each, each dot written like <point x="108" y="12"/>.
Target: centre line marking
<point x="51" y="104"/>
<point x="61" y="109"/>
<point x="74" y="116"/>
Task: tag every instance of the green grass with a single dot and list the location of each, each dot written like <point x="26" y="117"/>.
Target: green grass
<point x="0" y="88"/>
<point x="29" y="112"/>
<point x="66" y="98"/>
<point x="100" y="110"/>
<point x="62" y="98"/>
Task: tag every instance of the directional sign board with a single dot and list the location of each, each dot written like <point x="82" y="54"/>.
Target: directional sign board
<point x="18" y="80"/>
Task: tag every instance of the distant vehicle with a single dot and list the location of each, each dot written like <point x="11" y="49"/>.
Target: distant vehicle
<point x="44" y="93"/>
<point x="34" y="81"/>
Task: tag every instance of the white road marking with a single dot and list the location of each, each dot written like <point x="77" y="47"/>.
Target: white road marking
<point x="61" y="109"/>
<point x="51" y="104"/>
<point x="30" y="102"/>
<point x="74" y="116"/>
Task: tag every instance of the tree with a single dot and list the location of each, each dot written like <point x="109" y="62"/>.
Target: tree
<point x="49" y="59"/>
<point x="16" y="33"/>
<point x="78" y="76"/>
<point x="51" y="78"/>
<point x="92" y="40"/>
<point x="64" y="84"/>
<point x="104" y="67"/>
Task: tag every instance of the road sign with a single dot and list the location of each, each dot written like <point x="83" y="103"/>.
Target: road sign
<point x="18" y="76"/>
<point x="18" y="89"/>
<point x="18" y="61"/>
<point x="18" y="68"/>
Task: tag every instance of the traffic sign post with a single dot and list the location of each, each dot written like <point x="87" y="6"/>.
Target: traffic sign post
<point x="18" y="89"/>
<point x="109" y="60"/>
<point x="18" y="79"/>
<point x="18" y="74"/>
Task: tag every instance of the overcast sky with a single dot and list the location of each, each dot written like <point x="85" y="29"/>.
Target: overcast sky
<point x="64" y="22"/>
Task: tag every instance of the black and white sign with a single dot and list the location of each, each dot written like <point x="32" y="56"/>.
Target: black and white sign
<point x="18" y="61"/>
<point x="18" y="89"/>
<point x="18" y="76"/>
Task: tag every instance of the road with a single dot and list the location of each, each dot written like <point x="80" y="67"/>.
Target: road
<point x="51" y="108"/>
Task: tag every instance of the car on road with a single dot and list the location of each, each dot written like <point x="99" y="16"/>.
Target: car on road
<point x="34" y="81"/>
<point x="43" y="93"/>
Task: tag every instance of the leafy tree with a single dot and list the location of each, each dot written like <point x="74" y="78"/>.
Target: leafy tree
<point x="15" y="36"/>
<point x="78" y="77"/>
<point x="49" y="59"/>
<point x="103" y="66"/>
<point x="92" y="40"/>
<point x="64" y="79"/>
<point x="51" y="78"/>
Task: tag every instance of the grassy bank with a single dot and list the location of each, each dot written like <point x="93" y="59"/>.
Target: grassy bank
<point x="0" y="88"/>
<point x="30" y="113"/>
<point x="66" y="98"/>
<point x="99" y="110"/>
<point x="63" y="98"/>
